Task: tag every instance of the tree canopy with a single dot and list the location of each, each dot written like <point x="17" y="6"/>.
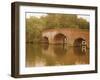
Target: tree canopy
<point x="35" y="25"/>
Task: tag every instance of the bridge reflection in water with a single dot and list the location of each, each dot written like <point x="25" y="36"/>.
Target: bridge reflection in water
<point x="53" y="55"/>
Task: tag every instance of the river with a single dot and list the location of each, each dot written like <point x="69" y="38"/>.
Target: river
<point x="39" y="55"/>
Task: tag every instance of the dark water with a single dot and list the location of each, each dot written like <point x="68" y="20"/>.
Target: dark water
<point x="55" y="55"/>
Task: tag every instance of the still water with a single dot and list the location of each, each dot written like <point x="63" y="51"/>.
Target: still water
<point x="55" y="55"/>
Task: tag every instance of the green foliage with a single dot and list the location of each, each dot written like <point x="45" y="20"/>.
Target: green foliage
<point x="83" y="24"/>
<point x="35" y="25"/>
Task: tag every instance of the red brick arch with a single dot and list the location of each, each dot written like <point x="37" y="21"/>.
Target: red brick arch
<point x="60" y="38"/>
<point x="70" y="33"/>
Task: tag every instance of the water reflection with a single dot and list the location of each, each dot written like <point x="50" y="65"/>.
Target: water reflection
<point x="52" y="55"/>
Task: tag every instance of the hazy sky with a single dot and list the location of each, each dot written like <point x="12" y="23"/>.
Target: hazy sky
<point x="84" y="17"/>
<point x="35" y="14"/>
<point x="40" y="14"/>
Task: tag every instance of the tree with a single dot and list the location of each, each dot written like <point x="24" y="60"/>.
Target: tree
<point x="61" y="21"/>
<point x="33" y="29"/>
<point x="83" y="24"/>
<point x="35" y="25"/>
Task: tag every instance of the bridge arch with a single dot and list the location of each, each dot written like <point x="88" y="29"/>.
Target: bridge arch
<point x="60" y="38"/>
<point x="65" y="35"/>
<point x="45" y="39"/>
<point x="79" y="42"/>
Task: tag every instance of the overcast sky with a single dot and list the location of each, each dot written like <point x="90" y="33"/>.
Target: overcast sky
<point x="35" y="14"/>
<point x="84" y="17"/>
<point x="43" y="14"/>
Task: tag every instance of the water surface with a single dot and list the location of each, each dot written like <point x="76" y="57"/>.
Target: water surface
<point x="55" y="55"/>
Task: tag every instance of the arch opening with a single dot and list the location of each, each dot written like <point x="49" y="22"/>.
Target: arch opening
<point x="45" y="40"/>
<point x="79" y="42"/>
<point x="60" y="39"/>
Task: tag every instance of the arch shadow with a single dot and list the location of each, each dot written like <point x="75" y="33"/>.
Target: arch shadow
<point x="60" y="39"/>
<point x="45" y="40"/>
<point x="79" y="42"/>
<point x="80" y="46"/>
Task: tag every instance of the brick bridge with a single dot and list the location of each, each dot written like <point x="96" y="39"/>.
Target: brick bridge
<point x="70" y="36"/>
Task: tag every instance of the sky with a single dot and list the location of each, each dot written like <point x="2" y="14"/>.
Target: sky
<point x="38" y="15"/>
<point x="86" y="17"/>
